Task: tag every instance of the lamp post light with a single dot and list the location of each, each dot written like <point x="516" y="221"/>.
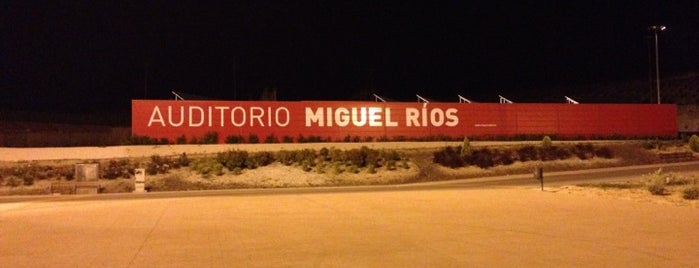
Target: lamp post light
<point x="656" y="29"/>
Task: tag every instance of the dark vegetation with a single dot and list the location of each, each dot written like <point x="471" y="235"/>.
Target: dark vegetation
<point x="213" y="137"/>
<point x="455" y="157"/>
<point x="234" y="161"/>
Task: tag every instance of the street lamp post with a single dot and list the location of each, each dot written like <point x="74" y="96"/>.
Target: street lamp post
<point x="656" y="29"/>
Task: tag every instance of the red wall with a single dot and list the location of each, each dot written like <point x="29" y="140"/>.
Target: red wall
<point x="172" y="119"/>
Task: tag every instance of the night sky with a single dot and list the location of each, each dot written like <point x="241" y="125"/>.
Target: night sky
<point x="84" y="56"/>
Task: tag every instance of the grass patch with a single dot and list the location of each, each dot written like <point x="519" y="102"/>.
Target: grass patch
<point x="612" y="185"/>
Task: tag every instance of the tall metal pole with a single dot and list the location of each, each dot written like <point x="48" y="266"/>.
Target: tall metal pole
<point x="656" y="29"/>
<point x="657" y="67"/>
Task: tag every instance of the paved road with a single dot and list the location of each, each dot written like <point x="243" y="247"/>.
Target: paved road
<point x="494" y="222"/>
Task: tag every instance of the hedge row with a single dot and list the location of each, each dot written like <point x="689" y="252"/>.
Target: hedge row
<point x="339" y="161"/>
<point x="213" y="138"/>
<point x="485" y="157"/>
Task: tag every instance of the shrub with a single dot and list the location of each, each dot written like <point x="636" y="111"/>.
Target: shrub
<point x="288" y="139"/>
<point x="320" y="169"/>
<point x="371" y="169"/>
<point x="656" y="184"/>
<point x="253" y="138"/>
<point x="552" y="153"/>
<point x="301" y="139"/>
<point x="604" y="152"/>
<point x="657" y="187"/>
<point x="694" y="143"/>
<point x="305" y="155"/>
<point x="237" y="171"/>
<point x="404" y="163"/>
<point x="400" y="138"/>
<point x="546" y="143"/>
<point x="232" y="159"/>
<point x="337" y="168"/>
<point x="286" y="157"/>
<point x="691" y="192"/>
<point x="28" y="180"/>
<point x="650" y="144"/>
<point x="207" y="167"/>
<point x="306" y="165"/>
<point x="259" y="159"/>
<point x="391" y="164"/>
<point x="14" y="181"/>
<point x="314" y="139"/>
<point x="141" y="140"/>
<point x="271" y="138"/>
<point x="157" y="165"/>
<point x="527" y="153"/>
<point x="118" y="169"/>
<point x="181" y="140"/>
<point x="584" y="151"/>
<point x="183" y="160"/>
<point x="466" y="148"/>
<point x="209" y="138"/>
<point x="234" y="139"/>
<point x="448" y="157"/>
<point x="482" y="158"/>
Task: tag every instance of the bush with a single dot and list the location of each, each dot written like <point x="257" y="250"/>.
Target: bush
<point x="183" y="160"/>
<point x="584" y="151"/>
<point x="527" y="153"/>
<point x="691" y="192"/>
<point x="288" y="139"/>
<point x="259" y="159"/>
<point x="118" y="169"/>
<point x="604" y="152"/>
<point x="232" y="159"/>
<point x="656" y="184"/>
<point x="271" y="139"/>
<point x="144" y="140"/>
<point x="650" y="144"/>
<point x="28" y="180"/>
<point x="466" y="148"/>
<point x="181" y="140"/>
<point x="657" y="187"/>
<point x="286" y="157"/>
<point x="253" y="138"/>
<point x="209" y="138"/>
<point x="13" y="181"/>
<point x="449" y="157"/>
<point x="694" y="143"/>
<point x="546" y="142"/>
<point x="157" y="165"/>
<point x="207" y="167"/>
<point x="234" y="139"/>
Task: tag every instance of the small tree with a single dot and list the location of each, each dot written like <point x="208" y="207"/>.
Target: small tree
<point x="694" y="143"/>
<point x="546" y="142"/>
<point x="466" y="148"/>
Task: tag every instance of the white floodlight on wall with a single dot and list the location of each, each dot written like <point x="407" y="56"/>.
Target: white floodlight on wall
<point x="571" y="101"/>
<point x="464" y="100"/>
<point x="421" y="99"/>
<point x="377" y="98"/>
<point x="504" y="100"/>
<point x="177" y="96"/>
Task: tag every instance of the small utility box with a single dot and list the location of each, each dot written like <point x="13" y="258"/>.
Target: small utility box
<point x="87" y="172"/>
<point x="140" y="182"/>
